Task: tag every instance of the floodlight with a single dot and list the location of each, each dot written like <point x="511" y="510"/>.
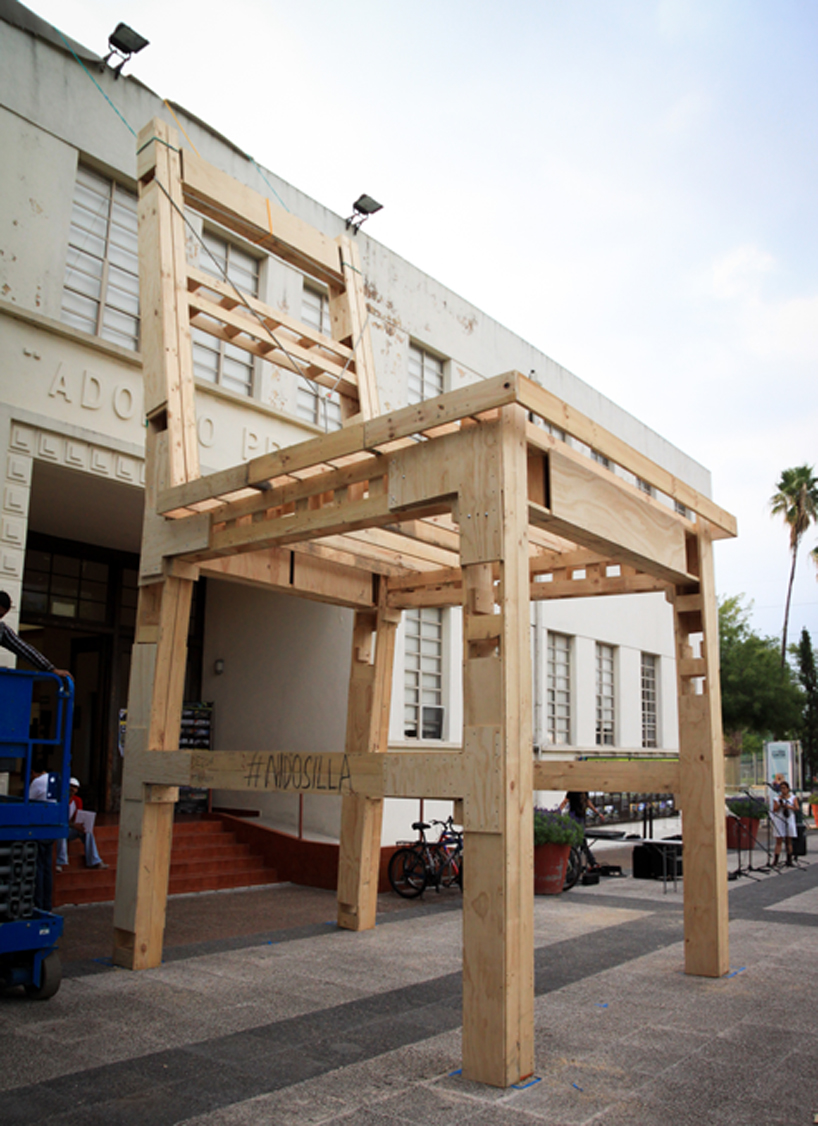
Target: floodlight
<point x="123" y="42"/>
<point x="362" y="208"/>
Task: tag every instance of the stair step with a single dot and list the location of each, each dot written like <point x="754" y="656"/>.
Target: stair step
<point x="205" y="856"/>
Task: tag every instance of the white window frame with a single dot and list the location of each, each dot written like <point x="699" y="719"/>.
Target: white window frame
<point x="424" y="655"/>
<point x="605" y="668"/>
<point x="217" y="361"/>
<point x="649" y="680"/>
<point x="426" y="376"/>
<point x="558" y="689"/>
<point x="318" y="406"/>
<point x="101" y="284"/>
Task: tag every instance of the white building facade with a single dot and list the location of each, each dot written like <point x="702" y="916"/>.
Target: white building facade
<point x="72" y="454"/>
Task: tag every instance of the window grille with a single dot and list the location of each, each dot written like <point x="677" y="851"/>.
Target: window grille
<point x="313" y="404"/>
<point x="101" y="288"/>
<point x="649" y="700"/>
<point x="425" y="375"/>
<point x="559" y="688"/>
<point x="605" y="701"/>
<point x="217" y="361"/>
<point x="423" y="674"/>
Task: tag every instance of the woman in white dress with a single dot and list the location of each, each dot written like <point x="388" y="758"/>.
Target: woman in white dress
<point x="785" y="804"/>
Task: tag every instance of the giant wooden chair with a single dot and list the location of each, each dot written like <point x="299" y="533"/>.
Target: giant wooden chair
<point x="462" y="500"/>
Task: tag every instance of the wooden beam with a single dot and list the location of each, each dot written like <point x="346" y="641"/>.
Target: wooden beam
<point x="166" y="345"/>
<point x="701" y="759"/>
<point x="358" y="437"/>
<point x="367" y="735"/>
<point x="556" y="411"/>
<point x="597" y="585"/>
<point x="358" y="321"/>
<point x="636" y="776"/>
<point x="498" y="892"/>
<point x="595" y="513"/>
<point x="254" y="217"/>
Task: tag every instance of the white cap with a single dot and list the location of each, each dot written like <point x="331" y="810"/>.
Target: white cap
<point x="75" y="782"/>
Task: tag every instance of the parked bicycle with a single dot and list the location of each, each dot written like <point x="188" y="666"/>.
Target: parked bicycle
<point x="437" y="863"/>
<point x="582" y="860"/>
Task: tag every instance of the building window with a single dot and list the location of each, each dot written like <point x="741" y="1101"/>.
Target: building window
<point x="423" y="674"/>
<point x="605" y="703"/>
<point x="425" y="375"/>
<point x="559" y="688"/>
<point x="317" y="405"/>
<point x="65" y="586"/>
<point x="649" y="710"/>
<point x="214" y="360"/>
<point x="644" y="487"/>
<point x="101" y="290"/>
<point x="601" y="459"/>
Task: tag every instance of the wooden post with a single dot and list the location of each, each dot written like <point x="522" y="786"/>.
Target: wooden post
<point x="146" y="817"/>
<point x="370" y="691"/>
<point x="160" y="646"/>
<point x="498" y="894"/>
<point x="701" y="762"/>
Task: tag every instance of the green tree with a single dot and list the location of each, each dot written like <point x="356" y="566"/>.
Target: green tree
<point x="805" y="659"/>
<point x="796" y="499"/>
<point x="759" y="698"/>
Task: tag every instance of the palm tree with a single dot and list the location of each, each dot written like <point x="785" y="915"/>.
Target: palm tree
<point x="796" y="499"/>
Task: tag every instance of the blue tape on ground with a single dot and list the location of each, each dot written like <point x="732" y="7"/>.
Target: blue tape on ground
<point x="528" y="1083"/>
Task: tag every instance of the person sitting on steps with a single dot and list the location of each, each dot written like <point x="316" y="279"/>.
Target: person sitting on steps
<point x="77" y="831"/>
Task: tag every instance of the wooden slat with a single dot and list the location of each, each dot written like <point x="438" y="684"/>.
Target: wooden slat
<point x="244" y="331"/>
<point x="308" y="336"/>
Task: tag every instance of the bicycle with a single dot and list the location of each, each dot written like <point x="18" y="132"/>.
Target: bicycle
<point x="439" y="862"/>
<point x="582" y="860"/>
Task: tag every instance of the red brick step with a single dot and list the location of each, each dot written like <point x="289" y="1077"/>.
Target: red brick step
<point x="205" y="856"/>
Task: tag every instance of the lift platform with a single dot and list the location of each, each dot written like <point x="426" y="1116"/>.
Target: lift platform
<point x="36" y="712"/>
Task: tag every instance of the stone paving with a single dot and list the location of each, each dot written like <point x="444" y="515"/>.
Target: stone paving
<point x="264" y="1012"/>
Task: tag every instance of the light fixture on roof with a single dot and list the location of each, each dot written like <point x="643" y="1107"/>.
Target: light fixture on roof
<point x="123" y="42"/>
<point x="362" y="208"/>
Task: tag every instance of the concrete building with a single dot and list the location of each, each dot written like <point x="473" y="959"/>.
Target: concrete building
<point x="72" y="453"/>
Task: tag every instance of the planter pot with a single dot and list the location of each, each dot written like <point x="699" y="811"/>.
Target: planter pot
<point x="550" y="863"/>
<point x="815" y="814"/>
<point x="742" y="832"/>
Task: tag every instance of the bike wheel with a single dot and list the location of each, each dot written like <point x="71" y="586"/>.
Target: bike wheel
<point x="451" y="871"/>
<point x="574" y="869"/>
<point x="407" y="873"/>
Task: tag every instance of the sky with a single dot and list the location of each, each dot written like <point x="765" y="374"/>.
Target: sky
<point x="627" y="184"/>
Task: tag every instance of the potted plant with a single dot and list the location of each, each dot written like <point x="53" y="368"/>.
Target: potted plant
<point x="813" y="801"/>
<point x="554" y="835"/>
<point x="742" y="826"/>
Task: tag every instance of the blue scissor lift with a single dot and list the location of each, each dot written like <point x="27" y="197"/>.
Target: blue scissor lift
<point x="28" y="935"/>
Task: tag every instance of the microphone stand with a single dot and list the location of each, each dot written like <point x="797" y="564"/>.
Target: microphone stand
<point x="739" y="871"/>
<point x="765" y="868"/>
